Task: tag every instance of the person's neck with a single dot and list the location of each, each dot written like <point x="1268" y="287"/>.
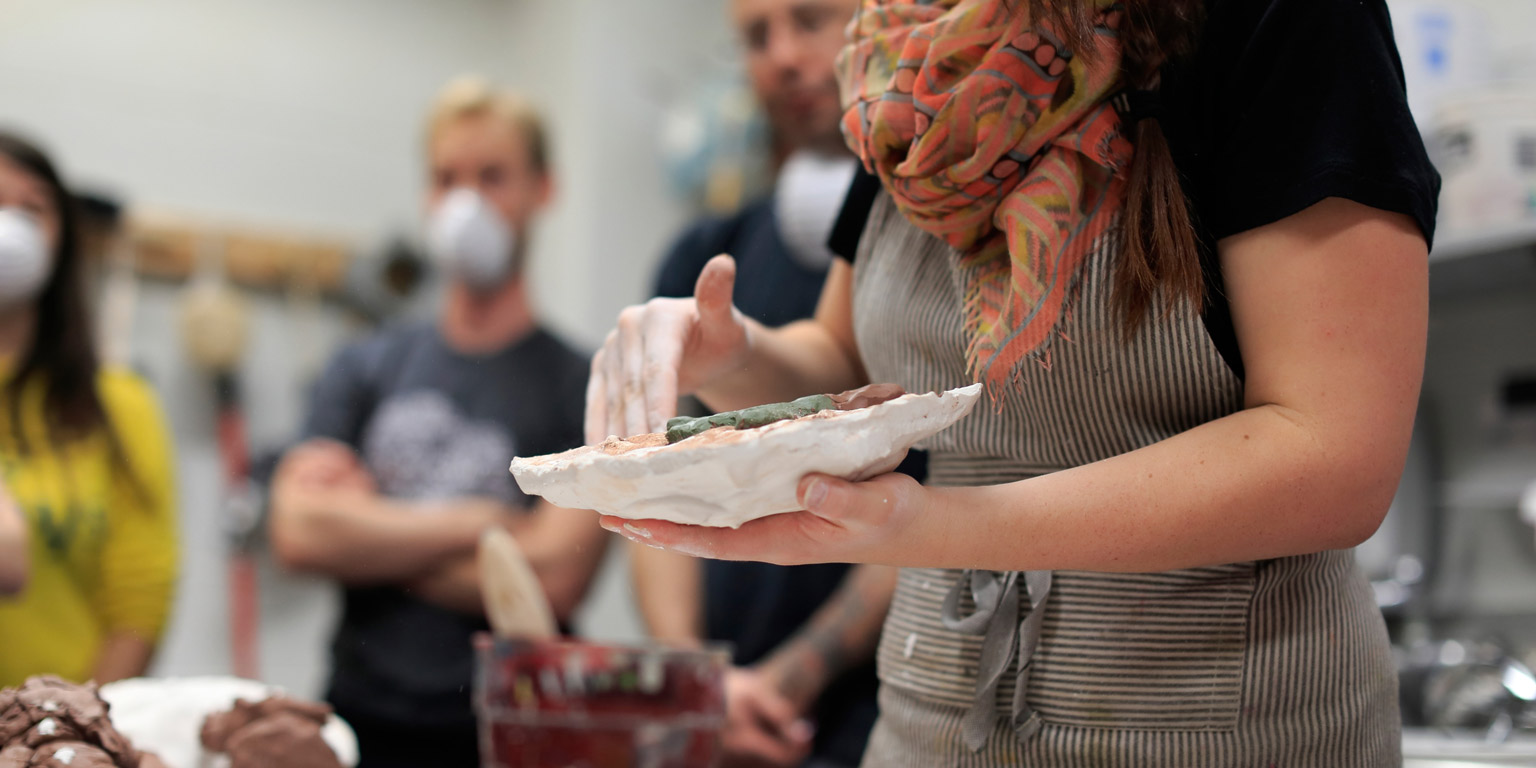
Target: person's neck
<point x="16" y="327"/>
<point x="475" y="322"/>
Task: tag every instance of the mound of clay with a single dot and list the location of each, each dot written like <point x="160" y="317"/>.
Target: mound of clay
<point x="276" y="731"/>
<point x="51" y="723"/>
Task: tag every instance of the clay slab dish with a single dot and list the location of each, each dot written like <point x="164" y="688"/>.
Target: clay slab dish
<point x="727" y="477"/>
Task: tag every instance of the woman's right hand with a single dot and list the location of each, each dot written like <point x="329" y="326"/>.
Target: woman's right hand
<point x="662" y="349"/>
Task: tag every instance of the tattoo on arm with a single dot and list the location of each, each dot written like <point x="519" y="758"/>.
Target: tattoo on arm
<point x="842" y="634"/>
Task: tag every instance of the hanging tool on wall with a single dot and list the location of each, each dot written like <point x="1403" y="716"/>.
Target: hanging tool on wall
<point x="214" y="329"/>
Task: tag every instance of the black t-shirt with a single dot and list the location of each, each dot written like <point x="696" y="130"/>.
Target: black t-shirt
<point x="756" y="606"/>
<point x="431" y="423"/>
<point x="771" y="287"/>
<point x="1286" y="103"/>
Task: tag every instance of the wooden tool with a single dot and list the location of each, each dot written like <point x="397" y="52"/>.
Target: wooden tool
<point x="514" y="600"/>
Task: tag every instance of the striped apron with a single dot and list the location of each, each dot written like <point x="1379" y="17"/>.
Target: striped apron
<point x="1280" y="662"/>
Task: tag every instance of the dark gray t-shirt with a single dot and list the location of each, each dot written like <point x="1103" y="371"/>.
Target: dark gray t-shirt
<point x="431" y="423"/>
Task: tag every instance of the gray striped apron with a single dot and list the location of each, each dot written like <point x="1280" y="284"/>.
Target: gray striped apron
<point x="1274" y="663"/>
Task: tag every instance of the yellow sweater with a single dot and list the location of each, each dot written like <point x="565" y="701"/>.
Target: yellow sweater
<point x="103" y="532"/>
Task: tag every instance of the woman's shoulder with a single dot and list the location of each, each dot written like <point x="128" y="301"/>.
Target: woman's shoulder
<point x="1291" y="101"/>
<point x="126" y="395"/>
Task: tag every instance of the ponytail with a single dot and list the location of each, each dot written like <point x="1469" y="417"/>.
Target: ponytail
<point x="1161" y="253"/>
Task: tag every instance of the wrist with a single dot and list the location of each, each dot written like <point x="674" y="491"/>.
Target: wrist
<point x="915" y="533"/>
<point x="797" y="672"/>
<point x="941" y="532"/>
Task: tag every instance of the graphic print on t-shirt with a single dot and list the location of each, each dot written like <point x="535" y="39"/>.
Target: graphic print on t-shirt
<point x="420" y="446"/>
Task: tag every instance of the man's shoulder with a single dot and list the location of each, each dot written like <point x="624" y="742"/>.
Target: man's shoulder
<point x="395" y="336"/>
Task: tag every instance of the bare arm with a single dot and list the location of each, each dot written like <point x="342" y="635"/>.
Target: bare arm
<point x="1330" y="307"/>
<point x="806" y="357"/>
<point x="669" y="589"/>
<point x="123" y="655"/>
<point x="334" y="528"/>
<point x="670" y="347"/>
<point x="842" y="634"/>
<point x="563" y="546"/>
<point x="14" y="557"/>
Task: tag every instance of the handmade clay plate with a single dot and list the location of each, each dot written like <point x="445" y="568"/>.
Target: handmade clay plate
<point x="726" y="477"/>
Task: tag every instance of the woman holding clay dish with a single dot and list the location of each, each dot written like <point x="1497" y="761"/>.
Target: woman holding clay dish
<point x="1184" y="246"/>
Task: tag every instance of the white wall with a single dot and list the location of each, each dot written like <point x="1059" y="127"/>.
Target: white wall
<point x="306" y="114"/>
<point x="1512" y="23"/>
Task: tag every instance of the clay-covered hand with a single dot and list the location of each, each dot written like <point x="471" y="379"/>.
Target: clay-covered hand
<point x="662" y="349"/>
<point x="843" y="522"/>
<point x="762" y="728"/>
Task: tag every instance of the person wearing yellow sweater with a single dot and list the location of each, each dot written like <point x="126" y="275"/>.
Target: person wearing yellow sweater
<point x="85" y="459"/>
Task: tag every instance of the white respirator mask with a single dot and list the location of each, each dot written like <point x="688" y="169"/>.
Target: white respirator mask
<point x="472" y="240"/>
<point x="24" y="262"/>
<point x="806" y="200"/>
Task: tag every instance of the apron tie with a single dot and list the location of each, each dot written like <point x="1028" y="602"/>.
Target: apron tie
<point x="996" y="619"/>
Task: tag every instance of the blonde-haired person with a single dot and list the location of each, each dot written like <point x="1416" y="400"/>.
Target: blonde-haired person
<point x="85" y="456"/>
<point x="1184" y="245"/>
<point x="404" y="453"/>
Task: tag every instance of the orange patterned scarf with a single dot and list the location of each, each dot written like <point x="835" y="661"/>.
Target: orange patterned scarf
<point x="990" y="135"/>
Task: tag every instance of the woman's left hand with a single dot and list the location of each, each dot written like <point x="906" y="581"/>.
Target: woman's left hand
<point x="842" y="522"/>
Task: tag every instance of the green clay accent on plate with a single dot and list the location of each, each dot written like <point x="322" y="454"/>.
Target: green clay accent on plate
<point x="682" y="427"/>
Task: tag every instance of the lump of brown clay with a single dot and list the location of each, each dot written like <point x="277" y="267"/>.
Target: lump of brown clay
<point x="51" y="722"/>
<point x="71" y="754"/>
<point x="277" y="731"/>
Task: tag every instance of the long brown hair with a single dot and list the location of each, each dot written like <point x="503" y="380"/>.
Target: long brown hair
<point x="61" y="350"/>
<point x="1161" y="250"/>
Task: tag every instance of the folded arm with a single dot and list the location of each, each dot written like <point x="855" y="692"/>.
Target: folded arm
<point x="325" y="521"/>
<point x="563" y="546"/>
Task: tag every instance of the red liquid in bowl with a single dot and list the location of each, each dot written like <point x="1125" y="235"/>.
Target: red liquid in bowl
<point x="558" y="704"/>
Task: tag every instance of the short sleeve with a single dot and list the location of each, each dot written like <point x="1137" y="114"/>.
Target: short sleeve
<point x="139" y="557"/>
<point x="343" y="396"/>
<point x="1290" y="102"/>
<point x="848" y="229"/>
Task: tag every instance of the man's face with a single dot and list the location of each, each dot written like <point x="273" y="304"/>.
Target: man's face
<point x="489" y="156"/>
<point x="790" y="47"/>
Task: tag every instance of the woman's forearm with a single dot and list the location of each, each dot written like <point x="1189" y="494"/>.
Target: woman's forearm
<point x="816" y="356"/>
<point x="1261" y="483"/>
<point x="782" y="364"/>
